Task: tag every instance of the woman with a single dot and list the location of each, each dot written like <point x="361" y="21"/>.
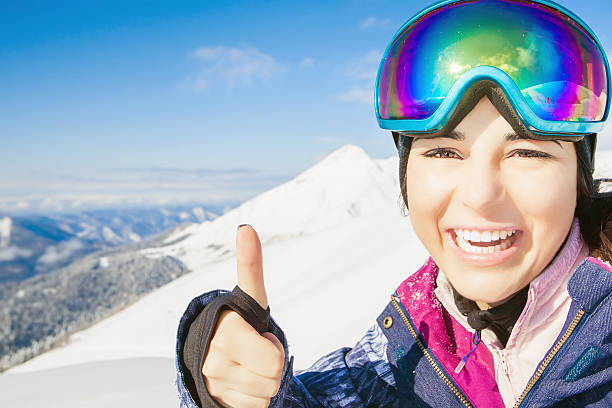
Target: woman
<point x="494" y="106"/>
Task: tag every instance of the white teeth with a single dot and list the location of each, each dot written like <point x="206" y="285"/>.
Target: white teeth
<point x="461" y="242"/>
<point x="465" y="238"/>
<point x="482" y="236"/>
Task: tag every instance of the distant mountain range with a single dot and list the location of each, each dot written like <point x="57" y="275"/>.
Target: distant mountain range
<point x="36" y="244"/>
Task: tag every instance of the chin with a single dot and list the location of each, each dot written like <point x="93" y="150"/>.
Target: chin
<point x="484" y="287"/>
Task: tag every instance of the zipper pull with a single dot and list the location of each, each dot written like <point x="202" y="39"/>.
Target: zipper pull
<point x="476" y="342"/>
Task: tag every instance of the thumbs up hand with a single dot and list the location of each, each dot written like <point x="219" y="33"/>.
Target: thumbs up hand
<point x="243" y="368"/>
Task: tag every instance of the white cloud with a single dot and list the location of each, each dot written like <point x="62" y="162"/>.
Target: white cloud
<point x="365" y="66"/>
<point x="358" y="93"/>
<point x="232" y="66"/>
<point x="373" y="22"/>
<point x="135" y="186"/>
<point x="362" y="71"/>
<point x="307" y="62"/>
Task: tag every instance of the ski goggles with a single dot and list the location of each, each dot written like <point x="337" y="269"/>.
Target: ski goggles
<point x="546" y="59"/>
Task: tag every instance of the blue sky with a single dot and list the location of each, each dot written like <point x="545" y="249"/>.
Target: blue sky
<point x="226" y="99"/>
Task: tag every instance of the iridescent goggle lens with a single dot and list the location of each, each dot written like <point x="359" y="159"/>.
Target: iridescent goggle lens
<point x="555" y="62"/>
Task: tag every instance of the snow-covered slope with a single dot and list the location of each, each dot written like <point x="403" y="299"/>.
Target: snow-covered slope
<point x="342" y="187"/>
<point x="332" y="237"/>
<point x="324" y="289"/>
<point x="142" y="382"/>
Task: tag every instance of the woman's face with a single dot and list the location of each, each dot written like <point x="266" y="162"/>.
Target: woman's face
<point x="492" y="209"/>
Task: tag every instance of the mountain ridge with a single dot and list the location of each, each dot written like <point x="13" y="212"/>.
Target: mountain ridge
<point x="344" y="185"/>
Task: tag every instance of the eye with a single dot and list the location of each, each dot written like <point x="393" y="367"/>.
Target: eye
<point x="529" y="154"/>
<point x="442" y="153"/>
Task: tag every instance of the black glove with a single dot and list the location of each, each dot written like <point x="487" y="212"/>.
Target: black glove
<point x="201" y="332"/>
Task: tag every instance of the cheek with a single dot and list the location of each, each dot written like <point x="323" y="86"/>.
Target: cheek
<point x="545" y="196"/>
<point x="428" y="197"/>
<point x="546" y="201"/>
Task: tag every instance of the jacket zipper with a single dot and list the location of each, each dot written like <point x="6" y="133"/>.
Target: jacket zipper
<point x="431" y="360"/>
<point x="551" y="354"/>
<point x="534" y="379"/>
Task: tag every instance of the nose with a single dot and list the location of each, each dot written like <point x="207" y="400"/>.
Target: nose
<point x="481" y="187"/>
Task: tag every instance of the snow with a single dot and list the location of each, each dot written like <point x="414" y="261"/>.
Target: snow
<point x="342" y="187"/>
<point x="322" y="302"/>
<point x="134" y="237"/>
<point x="109" y="235"/>
<point x="66" y="228"/>
<point x="335" y="248"/>
<point x="199" y="213"/>
<point x="5" y="231"/>
<point x="124" y="383"/>
<point x="302" y="288"/>
<point x="87" y="230"/>
<point x="103" y="262"/>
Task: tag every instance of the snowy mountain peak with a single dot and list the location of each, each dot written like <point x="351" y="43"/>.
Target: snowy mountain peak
<point x="346" y="184"/>
<point x="347" y="151"/>
<point x="346" y="156"/>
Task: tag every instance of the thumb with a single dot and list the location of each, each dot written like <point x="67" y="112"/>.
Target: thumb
<point x="249" y="262"/>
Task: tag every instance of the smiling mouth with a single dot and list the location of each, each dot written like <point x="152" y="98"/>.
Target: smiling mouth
<point x="485" y="242"/>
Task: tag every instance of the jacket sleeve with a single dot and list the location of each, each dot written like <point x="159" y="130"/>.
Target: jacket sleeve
<point x="349" y="377"/>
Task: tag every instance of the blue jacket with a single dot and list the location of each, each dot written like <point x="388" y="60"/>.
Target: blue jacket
<point x="392" y="366"/>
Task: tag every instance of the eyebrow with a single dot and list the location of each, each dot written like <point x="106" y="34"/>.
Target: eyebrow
<point x="511" y="136"/>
